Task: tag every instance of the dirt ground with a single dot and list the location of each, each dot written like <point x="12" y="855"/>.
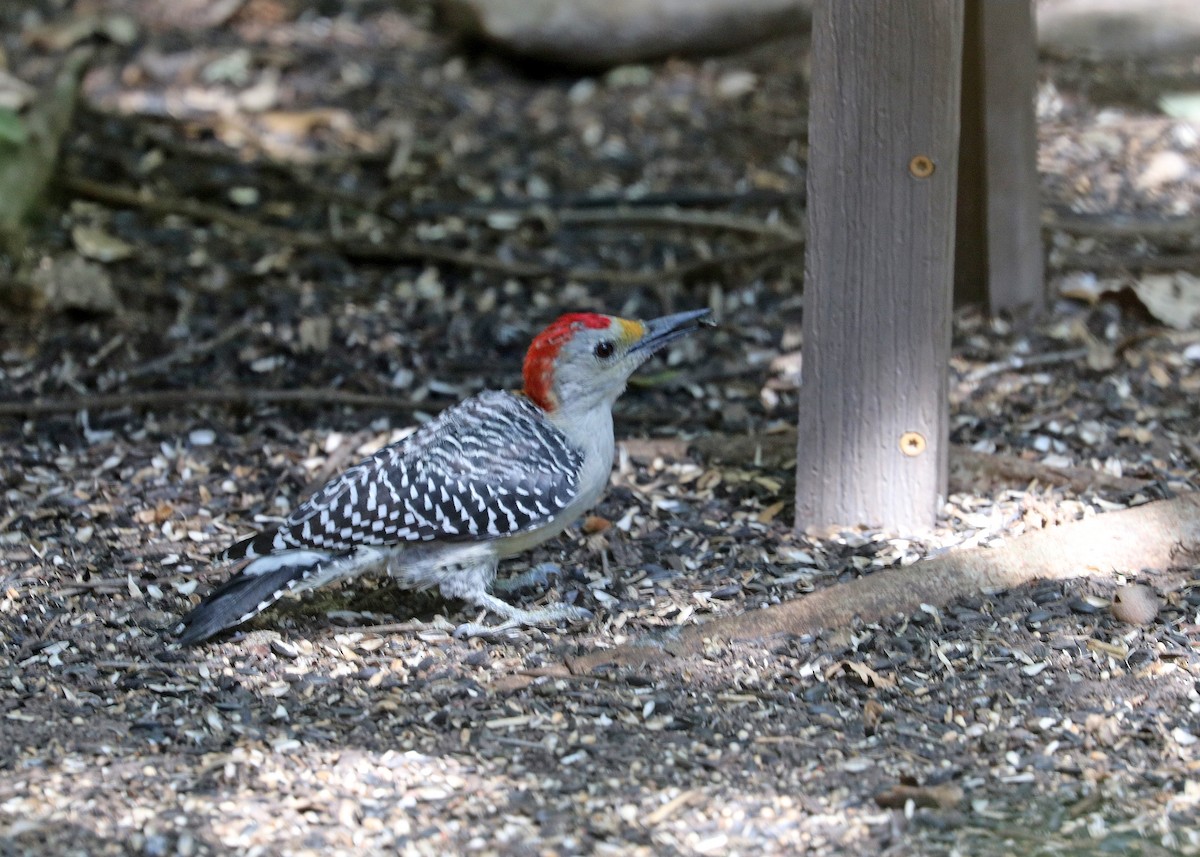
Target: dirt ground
<point x="313" y="225"/>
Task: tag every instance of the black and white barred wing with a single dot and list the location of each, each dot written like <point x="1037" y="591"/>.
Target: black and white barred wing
<point x="489" y="467"/>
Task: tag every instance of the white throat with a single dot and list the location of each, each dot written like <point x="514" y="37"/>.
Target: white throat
<point x="592" y="431"/>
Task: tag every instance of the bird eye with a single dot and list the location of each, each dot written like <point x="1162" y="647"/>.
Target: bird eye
<point x="605" y="349"/>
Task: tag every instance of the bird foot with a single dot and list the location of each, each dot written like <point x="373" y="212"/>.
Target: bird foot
<point x="536" y="577"/>
<point x="516" y="618"/>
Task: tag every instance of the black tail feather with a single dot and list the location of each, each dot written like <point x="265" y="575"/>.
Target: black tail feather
<point x="259" y="544"/>
<point x="240" y="598"/>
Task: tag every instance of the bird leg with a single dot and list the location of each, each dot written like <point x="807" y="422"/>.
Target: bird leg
<point x="468" y="578"/>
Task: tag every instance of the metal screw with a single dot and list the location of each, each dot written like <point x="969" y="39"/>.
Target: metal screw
<point x="912" y="443"/>
<point x="921" y="166"/>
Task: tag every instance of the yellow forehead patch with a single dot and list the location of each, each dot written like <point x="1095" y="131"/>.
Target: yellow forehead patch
<point x="631" y="331"/>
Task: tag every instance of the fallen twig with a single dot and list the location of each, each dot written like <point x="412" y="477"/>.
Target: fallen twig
<point x="689" y="270"/>
<point x="188" y="352"/>
<point x="412" y="626"/>
<point x="679" y="198"/>
<point x="1125" y="264"/>
<point x="968" y="467"/>
<point x="1157" y="536"/>
<point x="1121" y="226"/>
<point x="110" y="584"/>
<point x="1030" y="361"/>
<point x="145" y="201"/>
<point x="385" y="251"/>
<point x="184" y="398"/>
<point x="398" y="250"/>
<point x="671" y="218"/>
<point x="407" y="251"/>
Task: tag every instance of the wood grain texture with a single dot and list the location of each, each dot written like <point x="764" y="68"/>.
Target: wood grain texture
<point x="879" y="267"/>
<point x="999" y="245"/>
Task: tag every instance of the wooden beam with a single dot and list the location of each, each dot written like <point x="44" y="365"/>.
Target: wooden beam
<point x="882" y="178"/>
<point x="999" y="256"/>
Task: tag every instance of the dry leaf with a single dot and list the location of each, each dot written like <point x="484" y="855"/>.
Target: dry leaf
<point x="869" y="676"/>
<point x="61" y="35"/>
<point x="768" y="514"/>
<point x="15" y="94"/>
<point x="872" y="716"/>
<point x="71" y="282"/>
<point x="1173" y="299"/>
<point x="315" y="333"/>
<point x="593" y="524"/>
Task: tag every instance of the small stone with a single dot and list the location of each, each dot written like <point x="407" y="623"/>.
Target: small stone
<point x="735" y="84"/>
<point x="1164" y="168"/>
<point x="202" y="437"/>
<point x="625" y="76"/>
<point x="794" y="556"/>
<point x="244" y="196"/>
<point x="100" y="246"/>
<point x="185" y="846"/>
<point x="284" y="650"/>
<point x="582" y="91"/>
<point x="1136" y="604"/>
<point x="1183" y="737"/>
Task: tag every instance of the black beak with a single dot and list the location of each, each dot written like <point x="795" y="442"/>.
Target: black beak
<point x="663" y="331"/>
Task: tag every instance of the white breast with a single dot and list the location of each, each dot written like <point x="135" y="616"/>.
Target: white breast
<point x="594" y="435"/>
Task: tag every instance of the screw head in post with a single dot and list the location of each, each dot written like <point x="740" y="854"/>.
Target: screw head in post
<point x="921" y="166"/>
<point x="912" y="443"/>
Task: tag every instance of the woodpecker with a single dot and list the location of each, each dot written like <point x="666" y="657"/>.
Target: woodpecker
<point x="488" y="478"/>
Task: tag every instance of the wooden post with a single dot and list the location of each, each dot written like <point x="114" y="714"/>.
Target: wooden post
<point x="999" y="257"/>
<point x="882" y="176"/>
